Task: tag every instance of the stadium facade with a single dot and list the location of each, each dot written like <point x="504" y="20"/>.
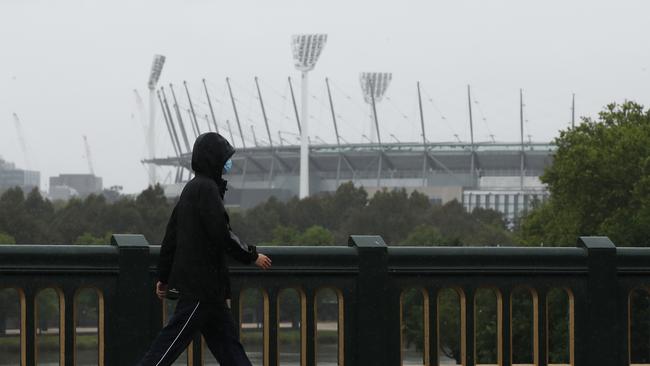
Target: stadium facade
<point x="501" y="176"/>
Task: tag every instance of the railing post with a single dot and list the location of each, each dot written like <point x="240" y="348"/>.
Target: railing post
<point x="597" y="331"/>
<point x="69" y="326"/>
<point x="377" y="307"/>
<point x="310" y="326"/>
<point x="470" y="326"/>
<point x="271" y="353"/>
<point x="433" y="292"/>
<point x="129" y="316"/>
<point x="506" y="336"/>
<point x="29" y="357"/>
<point x="541" y="313"/>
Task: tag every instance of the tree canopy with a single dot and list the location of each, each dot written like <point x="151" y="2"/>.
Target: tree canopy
<point x="599" y="182"/>
<point x="400" y="218"/>
<point x="324" y="219"/>
<point x="36" y="220"/>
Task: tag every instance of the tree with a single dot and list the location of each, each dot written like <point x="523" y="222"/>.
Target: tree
<point x="306" y="212"/>
<point x="257" y="224"/>
<point x="26" y="218"/>
<point x="391" y="214"/>
<point x="40" y="213"/>
<point x="425" y="235"/>
<point x="285" y="235"/>
<point x="462" y="228"/>
<point x="154" y="210"/>
<point x="289" y="235"/>
<point x="89" y="239"/>
<point x="6" y="238"/>
<point x="13" y="218"/>
<point x="489" y="217"/>
<point x="79" y="217"/>
<point x="599" y="182"/>
<point x="316" y="235"/>
<point x="346" y="202"/>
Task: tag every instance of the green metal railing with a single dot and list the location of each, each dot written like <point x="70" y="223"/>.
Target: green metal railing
<point x="369" y="279"/>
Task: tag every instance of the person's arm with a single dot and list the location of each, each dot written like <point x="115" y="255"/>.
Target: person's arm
<point x="166" y="258"/>
<point x="239" y="250"/>
<point x="213" y="217"/>
<point x="243" y="252"/>
<point x="212" y="214"/>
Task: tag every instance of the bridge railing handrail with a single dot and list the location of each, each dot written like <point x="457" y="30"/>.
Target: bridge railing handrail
<point x="370" y="277"/>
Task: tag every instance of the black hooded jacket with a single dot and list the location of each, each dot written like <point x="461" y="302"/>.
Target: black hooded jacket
<point x="192" y="256"/>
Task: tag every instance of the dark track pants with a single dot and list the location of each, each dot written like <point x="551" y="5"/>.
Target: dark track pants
<point x="216" y="324"/>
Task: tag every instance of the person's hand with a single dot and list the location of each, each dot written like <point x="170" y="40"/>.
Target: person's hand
<point x="161" y="290"/>
<point x="263" y="261"/>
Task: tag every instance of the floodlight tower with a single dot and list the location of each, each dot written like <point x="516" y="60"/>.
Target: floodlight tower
<point x="154" y="75"/>
<point x="306" y="50"/>
<point x="374" y="85"/>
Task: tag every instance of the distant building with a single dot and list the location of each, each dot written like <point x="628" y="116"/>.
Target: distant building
<point x="62" y="193"/>
<point x="11" y="177"/>
<point x="508" y="195"/>
<point x="66" y="186"/>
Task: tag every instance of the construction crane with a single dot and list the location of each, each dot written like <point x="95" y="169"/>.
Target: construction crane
<point x="21" y="139"/>
<point x="88" y="156"/>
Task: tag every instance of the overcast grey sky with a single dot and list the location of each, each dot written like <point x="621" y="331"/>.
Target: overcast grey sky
<point x="68" y="68"/>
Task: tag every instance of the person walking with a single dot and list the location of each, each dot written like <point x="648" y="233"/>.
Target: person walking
<point x="192" y="266"/>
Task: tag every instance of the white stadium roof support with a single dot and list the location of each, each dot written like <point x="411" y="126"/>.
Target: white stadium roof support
<point x="306" y="50"/>
<point x="154" y="76"/>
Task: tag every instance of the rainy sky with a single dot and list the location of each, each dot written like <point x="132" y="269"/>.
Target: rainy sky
<point x="69" y="68"/>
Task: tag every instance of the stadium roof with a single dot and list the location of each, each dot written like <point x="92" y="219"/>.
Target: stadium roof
<point x="490" y="158"/>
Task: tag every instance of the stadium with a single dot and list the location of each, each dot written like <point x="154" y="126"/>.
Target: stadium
<point x="494" y="175"/>
<point x="502" y="176"/>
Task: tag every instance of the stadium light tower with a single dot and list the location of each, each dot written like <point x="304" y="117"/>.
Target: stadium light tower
<point x="306" y="49"/>
<point x="154" y="75"/>
<point x="374" y="85"/>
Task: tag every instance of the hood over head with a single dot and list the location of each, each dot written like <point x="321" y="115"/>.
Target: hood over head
<point x="210" y="153"/>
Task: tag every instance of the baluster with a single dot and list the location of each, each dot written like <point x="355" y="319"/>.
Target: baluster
<point x="432" y="335"/>
<point x="349" y="326"/>
<point x="340" y="326"/>
<point x="392" y="325"/>
<point x="623" y="315"/>
<point x="101" y="327"/>
<point x="469" y="326"/>
<point x="29" y="355"/>
<point x="309" y="349"/>
<point x="271" y="328"/>
<point x="541" y="320"/>
<point x="111" y="338"/>
<point x="68" y="326"/>
<point x="505" y="336"/>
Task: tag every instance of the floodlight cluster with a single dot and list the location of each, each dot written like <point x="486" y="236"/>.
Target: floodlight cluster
<point x="307" y="49"/>
<point x="374" y="84"/>
<point x="156" y="69"/>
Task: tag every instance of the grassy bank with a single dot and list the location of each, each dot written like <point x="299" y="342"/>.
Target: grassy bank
<point x="289" y="336"/>
<point x="50" y="342"/>
<point x="47" y="342"/>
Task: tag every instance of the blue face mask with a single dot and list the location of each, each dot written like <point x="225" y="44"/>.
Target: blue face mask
<point x="227" y="167"/>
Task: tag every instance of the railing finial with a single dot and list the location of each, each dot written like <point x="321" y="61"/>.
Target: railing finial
<point x="129" y="240"/>
<point x="366" y="241"/>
